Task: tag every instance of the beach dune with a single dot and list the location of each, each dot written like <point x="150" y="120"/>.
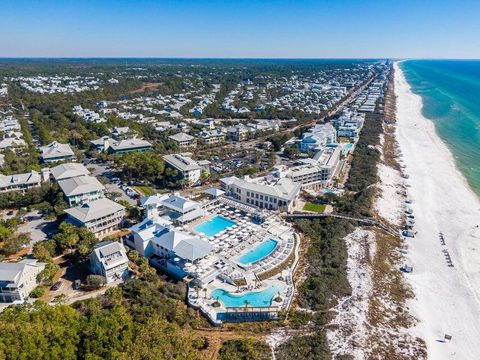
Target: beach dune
<point x="447" y="298"/>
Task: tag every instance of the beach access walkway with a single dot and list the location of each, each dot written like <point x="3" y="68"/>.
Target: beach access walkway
<point x="363" y="221"/>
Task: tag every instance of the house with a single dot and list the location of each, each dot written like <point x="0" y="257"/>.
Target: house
<point x="81" y="189"/>
<point x="17" y="280"/>
<point x="12" y="140"/>
<point x="109" y="259"/>
<point x="120" y="131"/>
<point x="266" y="192"/>
<point x="56" y="151"/>
<point x="184" y="140"/>
<point x="238" y="132"/>
<point x="211" y="137"/>
<point x="21" y="182"/>
<point x="189" y="169"/>
<point x="101" y="216"/>
<point x="68" y="170"/>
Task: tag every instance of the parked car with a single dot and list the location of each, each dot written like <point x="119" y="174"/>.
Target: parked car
<point x="56" y="286"/>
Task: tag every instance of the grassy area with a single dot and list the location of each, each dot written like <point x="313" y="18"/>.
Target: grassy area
<point x="318" y="208"/>
<point x="147" y="190"/>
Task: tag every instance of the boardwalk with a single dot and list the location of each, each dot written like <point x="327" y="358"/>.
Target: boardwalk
<point x="363" y="221"/>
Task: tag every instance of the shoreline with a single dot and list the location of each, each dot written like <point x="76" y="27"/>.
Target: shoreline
<point x="447" y="298"/>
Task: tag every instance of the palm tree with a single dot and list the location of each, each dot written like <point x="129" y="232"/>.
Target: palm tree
<point x="246" y="302"/>
<point x="205" y="292"/>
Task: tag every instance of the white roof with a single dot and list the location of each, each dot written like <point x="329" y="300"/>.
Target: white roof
<point x="128" y="144"/>
<point x="12" y="272"/>
<point x="55" y="149"/>
<point x="94" y="210"/>
<point x="181" y="162"/>
<point x="181" y="137"/>
<point x="110" y="254"/>
<point x="80" y="185"/>
<point x="179" y="203"/>
<point x="69" y="170"/>
<point x="30" y="178"/>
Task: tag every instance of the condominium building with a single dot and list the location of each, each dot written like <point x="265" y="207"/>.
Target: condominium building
<point x="186" y="166"/>
<point x="267" y="192"/>
<point x="318" y="137"/>
<point x="101" y="216"/>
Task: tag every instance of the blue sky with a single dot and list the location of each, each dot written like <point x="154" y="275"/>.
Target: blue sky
<point x="240" y="28"/>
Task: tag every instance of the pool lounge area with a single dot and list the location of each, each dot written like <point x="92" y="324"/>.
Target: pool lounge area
<point x="214" y="226"/>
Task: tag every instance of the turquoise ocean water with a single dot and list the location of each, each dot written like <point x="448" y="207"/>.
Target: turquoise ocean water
<point x="450" y="90"/>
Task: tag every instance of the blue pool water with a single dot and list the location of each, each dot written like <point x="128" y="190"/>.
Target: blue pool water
<point x="347" y="148"/>
<point x="262" y="298"/>
<point x="259" y="252"/>
<point x="213" y="226"/>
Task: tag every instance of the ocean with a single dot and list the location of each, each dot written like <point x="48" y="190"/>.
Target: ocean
<point x="450" y="90"/>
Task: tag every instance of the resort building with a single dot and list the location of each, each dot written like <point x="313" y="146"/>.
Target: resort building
<point x="17" y="280"/>
<point x="267" y="192"/>
<point x="168" y="247"/>
<point x="348" y="124"/>
<point x="183" y="140"/>
<point x="318" y="137"/>
<point x="68" y="171"/>
<point x="174" y="208"/>
<point x="186" y="166"/>
<point x="56" y="152"/>
<point x="81" y="189"/>
<point x="109" y="259"/>
<point x="20" y="182"/>
<point x="101" y="216"/>
<point x="313" y="173"/>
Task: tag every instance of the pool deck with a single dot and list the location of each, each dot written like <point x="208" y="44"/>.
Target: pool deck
<point x="222" y="270"/>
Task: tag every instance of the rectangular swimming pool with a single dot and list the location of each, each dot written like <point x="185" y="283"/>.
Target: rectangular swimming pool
<point x="213" y="226"/>
<point x="259" y="252"/>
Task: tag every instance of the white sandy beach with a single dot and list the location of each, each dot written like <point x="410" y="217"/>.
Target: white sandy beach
<point x="447" y="298"/>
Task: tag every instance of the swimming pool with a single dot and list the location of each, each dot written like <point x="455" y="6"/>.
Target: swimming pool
<point x="213" y="226"/>
<point x="262" y="298"/>
<point x="259" y="252"/>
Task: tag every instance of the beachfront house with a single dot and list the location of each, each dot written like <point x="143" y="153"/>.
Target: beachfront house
<point x="101" y="216"/>
<point x="109" y="259"/>
<point x="56" y="151"/>
<point x="17" y="280"/>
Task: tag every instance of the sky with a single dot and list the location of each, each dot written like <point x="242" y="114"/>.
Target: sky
<point x="240" y="28"/>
